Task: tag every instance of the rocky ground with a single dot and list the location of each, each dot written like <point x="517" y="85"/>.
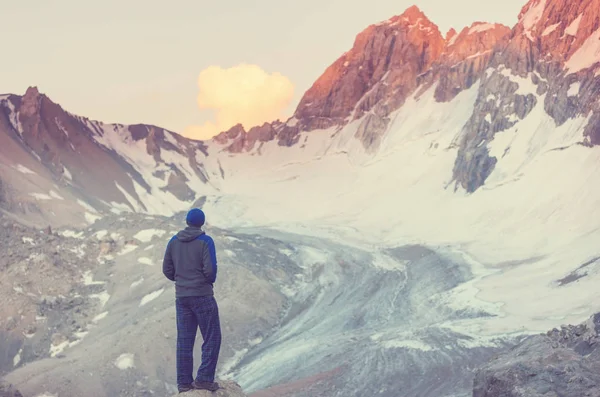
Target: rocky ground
<point x="90" y="311"/>
<point x="562" y="363"/>
<point x="47" y="298"/>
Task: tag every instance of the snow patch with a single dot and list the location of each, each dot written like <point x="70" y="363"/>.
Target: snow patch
<point x="86" y="206"/>
<point x="525" y="85"/>
<point x="17" y="357"/>
<point x="79" y="250"/>
<point x="24" y="170"/>
<point x="550" y="29"/>
<point x="137" y="283"/>
<point x="406" y="344"/>
<point x="101" y="234"/>
<point x="99" y="317"/>
<point x="532" y="17"/>
<point x="151" y="296"/>
<point x="127" y="249"/>
<point x="388" y="263"/>
<point x="482" y="27"/>
<point x="103" y="297"/>
<point x="574" y="89"/>
<point x="125" y="361"/>
<point x="40" y="196"/>
<point x="572" y="29"/>
<point x="91" y="218"/>
<point x="72" y="234"/>
<point x="586" y="56"/>
<point x="57" y="349"/>
<point x="145" y="236"/>
<point x="88" y="279"/>
<point x="115" y="236"/>
<point x="453" y="40"/>
<point x="130" y="199"/>
<point x="14" y="118"/>
<point x="67" y="173"/>
<point x="145" y="261"/>
<point x="55" y="195"/>
<point x="171" y="139"/>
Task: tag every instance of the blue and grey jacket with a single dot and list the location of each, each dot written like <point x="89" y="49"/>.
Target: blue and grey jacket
<point x="191" y="261"/>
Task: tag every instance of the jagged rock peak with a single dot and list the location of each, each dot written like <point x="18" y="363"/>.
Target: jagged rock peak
<point x="31" y="101"/>
<point x="413" y="16"/>
<point x="385" y="61"/>
<point x="451" y="34"/>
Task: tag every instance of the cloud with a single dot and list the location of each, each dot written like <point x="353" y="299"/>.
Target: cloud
<point x="243" y="94"/>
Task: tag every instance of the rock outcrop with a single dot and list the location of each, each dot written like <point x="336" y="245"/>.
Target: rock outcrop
<point x="238" y="140"/>
<point x="466" y="56"/>
<point x="227" y="389"/>
<point x="562" y="363"/>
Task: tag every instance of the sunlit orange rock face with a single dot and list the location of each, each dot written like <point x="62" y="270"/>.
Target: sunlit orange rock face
<point x="381" y="68"/>
<point x="550" y="31"/>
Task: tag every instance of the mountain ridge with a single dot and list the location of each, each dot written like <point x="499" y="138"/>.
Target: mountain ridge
<point x="149" y="169"/>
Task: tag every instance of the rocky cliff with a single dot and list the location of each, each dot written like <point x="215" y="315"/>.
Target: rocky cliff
<point x="563" y="363"/>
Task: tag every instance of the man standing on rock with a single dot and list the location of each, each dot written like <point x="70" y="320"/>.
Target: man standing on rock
<point x="191" y="261"/>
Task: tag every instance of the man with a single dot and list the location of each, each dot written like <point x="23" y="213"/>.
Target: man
<point x="190" y="260"/>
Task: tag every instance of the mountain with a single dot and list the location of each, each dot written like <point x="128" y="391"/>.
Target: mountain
<point x="85" y="168"/>
<point x="549" y="58"/>
<point x="432" y="201"/>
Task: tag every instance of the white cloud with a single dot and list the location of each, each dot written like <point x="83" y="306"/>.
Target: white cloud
<point x="243" y="94"/>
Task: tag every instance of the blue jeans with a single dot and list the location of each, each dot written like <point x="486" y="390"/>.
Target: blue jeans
<point x="194" y="312"/>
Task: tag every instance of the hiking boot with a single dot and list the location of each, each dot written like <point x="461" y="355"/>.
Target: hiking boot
<point x="184" y="388"/>
<point x="210" y="386"/>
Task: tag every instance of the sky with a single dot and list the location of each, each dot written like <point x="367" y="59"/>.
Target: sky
<point x="195" y="67"/>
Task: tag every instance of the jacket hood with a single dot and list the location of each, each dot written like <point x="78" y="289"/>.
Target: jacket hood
<point x="190" y="233"/>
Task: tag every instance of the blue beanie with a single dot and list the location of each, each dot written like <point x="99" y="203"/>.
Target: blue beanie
<point x="195" y="217"/>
